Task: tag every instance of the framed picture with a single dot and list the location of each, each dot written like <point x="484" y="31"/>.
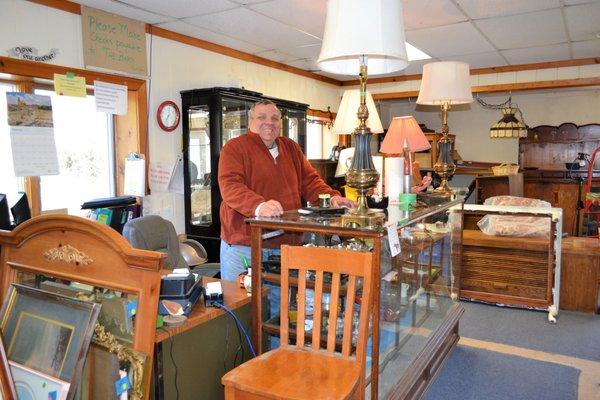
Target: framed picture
<point x="47" y="332"/>
<point x="33" y="385"/>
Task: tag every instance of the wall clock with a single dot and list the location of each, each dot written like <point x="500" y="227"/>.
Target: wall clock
<point x="168" y="116"/>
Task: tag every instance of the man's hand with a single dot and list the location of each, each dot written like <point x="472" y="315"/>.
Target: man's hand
<point x="339" y="201"/>
<point x="271" y="208"/>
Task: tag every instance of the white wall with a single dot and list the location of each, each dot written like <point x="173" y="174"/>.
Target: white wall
<point x="174" y="67"/>
<point x="471" y="122"/>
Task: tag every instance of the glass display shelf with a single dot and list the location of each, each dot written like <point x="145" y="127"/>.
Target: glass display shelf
<point x="416" y="317"/>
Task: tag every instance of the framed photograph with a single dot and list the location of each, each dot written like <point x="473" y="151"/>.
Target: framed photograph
<point x="33" y="385"/>
<point x="47" y="332"/>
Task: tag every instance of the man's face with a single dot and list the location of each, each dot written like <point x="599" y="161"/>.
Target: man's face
<point x="266" y="122"/>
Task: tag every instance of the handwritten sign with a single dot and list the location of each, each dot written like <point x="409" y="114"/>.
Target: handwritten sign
<point x="113" y="42"/>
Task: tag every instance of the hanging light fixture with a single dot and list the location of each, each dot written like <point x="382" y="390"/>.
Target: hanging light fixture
<point x="509" y="126"/>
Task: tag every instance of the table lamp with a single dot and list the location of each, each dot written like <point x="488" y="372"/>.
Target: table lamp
<point x="404" y="132"/>
<point x="444" y="84"/>
<point x="349" y="49"/>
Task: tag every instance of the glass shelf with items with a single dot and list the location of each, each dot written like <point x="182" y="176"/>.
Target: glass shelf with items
<point x="417" y="309"/>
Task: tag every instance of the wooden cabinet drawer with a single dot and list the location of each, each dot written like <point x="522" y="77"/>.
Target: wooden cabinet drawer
<point x="509" y="289"/>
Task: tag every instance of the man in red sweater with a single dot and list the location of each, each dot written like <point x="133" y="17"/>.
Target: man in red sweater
<point x="262" y="174"/>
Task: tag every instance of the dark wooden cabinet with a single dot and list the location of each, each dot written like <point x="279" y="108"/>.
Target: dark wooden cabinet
<point x="211" y="117"/>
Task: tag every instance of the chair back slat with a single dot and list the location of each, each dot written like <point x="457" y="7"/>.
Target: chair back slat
<point x="301" y="303"/>
<point x="285" y="290"/>
<point x="333" y="310"/>
<point x="348" y="316"/>
<point x="337" y="262"/>
<point x="317" y="314"/>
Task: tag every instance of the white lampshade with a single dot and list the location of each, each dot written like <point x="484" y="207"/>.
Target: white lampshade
<point x="354" y="28"/>
<point x="346" y="120"/>
<point x="445" y="82"/>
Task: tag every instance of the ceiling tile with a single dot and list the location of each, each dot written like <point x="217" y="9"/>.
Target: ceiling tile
<point x="420" y="14"/>
<point x="583" y="21"/>
<point x="571" y="2"/>
<point x="275" y="55"/>
<point x="553" y="52"/>
<point x="481" y="60"/>
<point x="126" y="11"/>
<point x="524" y="30"/>
<point x="477" y="9"/>
<point x="305" y="15"/>
<point x="588" y="48"/>
<point x="182" y="8"/>
<point x="415" y="67"/>
<point x="246" y="2"/>
<point x="245" y="24"/>
<point x="200" y="33"/>
<point x="449" y="40"/>
<point x="311" y="51"/>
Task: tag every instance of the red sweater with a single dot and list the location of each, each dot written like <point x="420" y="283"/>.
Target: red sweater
<point x="248" y="176"/>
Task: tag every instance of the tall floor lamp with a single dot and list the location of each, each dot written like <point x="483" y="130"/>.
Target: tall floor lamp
<point x="445" y="84"/>
<point x="360" y="37"/>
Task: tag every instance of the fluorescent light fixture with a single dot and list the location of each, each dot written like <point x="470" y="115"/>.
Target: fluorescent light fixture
<point x="415" y="54"/>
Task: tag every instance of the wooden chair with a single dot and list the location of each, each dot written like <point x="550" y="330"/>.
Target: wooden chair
<point x="305" y="371"/>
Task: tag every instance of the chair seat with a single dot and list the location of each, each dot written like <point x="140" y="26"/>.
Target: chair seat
<point x="295" y="373"/>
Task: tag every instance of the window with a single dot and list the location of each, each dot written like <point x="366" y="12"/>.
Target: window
<point x="314" y="140"/>
<point x="9" y="184"/>
<point x="85" y="147"/>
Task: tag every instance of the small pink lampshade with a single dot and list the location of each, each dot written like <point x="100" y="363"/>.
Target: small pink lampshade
<point x="401" y="128"/>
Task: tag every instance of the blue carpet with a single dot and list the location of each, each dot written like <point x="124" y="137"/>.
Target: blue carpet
<point x="575" y="334"/>
<point x="475" y="374"/>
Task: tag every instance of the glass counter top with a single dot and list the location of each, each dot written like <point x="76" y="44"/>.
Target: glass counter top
<point x="426" y="205"/>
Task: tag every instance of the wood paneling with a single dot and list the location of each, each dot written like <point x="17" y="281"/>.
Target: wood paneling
<point x="580" y="274"/>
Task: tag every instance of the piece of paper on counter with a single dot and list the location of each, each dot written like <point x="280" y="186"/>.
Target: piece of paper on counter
<point x="33" y="151"/>
<point x="135" y="176"/>
<point x="69" y="85"/>
<point x="110" y="98"/>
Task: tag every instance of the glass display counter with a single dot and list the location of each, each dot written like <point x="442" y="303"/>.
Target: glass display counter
<point x="415" y="300"/>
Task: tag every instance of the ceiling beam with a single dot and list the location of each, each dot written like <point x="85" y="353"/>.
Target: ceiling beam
<point x="505" y="87"/>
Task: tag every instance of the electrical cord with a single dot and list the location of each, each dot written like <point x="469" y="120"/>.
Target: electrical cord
<point x="239" y="324"/>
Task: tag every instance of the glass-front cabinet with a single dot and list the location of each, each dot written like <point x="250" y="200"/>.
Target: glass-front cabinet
<point x="417" y="273"/>
<point x="211" y="117"/>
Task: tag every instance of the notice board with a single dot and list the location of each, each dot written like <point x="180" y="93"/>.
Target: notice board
<point x="113" y="42"/>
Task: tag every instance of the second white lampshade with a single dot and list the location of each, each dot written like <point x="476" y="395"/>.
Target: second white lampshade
<point x="346" y="120"/>
<point x="445" y="82"/>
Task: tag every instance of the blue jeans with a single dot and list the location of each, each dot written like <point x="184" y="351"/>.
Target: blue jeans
<point x="232" y="264"/>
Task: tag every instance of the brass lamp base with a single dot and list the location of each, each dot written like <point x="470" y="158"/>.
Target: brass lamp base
<point x="444" y="165"/>
<point x="371" y="219"/>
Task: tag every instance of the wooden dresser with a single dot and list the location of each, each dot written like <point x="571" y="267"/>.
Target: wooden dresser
<point x="509" y="270"/>
<point x="506" y="270"/>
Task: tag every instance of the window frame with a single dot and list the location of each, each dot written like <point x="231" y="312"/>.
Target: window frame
<point x="130" y="130"/>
